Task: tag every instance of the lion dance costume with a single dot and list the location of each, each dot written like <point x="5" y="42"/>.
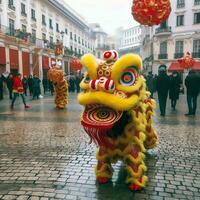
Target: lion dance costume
<point x="56" y="75"/>
<point x="118" y="115"/>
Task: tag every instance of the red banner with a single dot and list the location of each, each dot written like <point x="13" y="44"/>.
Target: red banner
<point x="2" y="56"/>
<point x="26" y="63"/>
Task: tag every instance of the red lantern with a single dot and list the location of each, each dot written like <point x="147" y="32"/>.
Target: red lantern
<point x="75" y="65"/>
<point x="151" y="12"/>
<point x="187" y="61"/>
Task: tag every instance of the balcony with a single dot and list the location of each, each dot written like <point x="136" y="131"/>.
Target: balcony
<point x="196" y="54"/>
<point x="178" y="55"/>
<point x="11" y="6"/>
<point x="24" y="14"/>
<point x="181" y="5"/>
<point x="163" y="31"/>
<point x="163" y="56"/>
<point x="196" y="2"/>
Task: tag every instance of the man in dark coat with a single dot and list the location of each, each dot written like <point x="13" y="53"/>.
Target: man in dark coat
<point x="1" y="86"/>
<point x="25" y="84"/>
<point x="174" y="90"/>
<point x="192" y="83"/>
<point x="30" y="84"/>
<point x="36" y="87"/>
<point x="9" y="82"/>
<point x="150" y="83"/>
<point x="162" y="87"/>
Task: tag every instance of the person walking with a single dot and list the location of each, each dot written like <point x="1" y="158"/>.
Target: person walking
<point x="174" y="89"/>
<point x="51" y="87"/>
<point x="162" y="87"/>
<point x="30" y="84"/>
<point x="1" y="86"/>
<point x="18" y="89"/>
<point x="36" y="87"/>
<point x="77" y="83"/>
<point x="9" y="82"/>
<point x="150" y="83"/>
<point x="45" y="84"/>
<point x="25" y="84"/>
<point x="192" y="83"/>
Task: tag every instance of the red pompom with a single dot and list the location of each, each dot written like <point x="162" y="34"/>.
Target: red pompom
<point x="151" y="12"/>
<point x="187" y="61"/>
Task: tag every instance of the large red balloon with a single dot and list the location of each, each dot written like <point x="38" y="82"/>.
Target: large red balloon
<point x="187" y="61"/>
<point x="151" y="12"/>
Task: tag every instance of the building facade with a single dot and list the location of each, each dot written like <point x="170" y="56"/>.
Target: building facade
<point x="128" y="40"/>
<point x="169" y="41"/>
<point x="30" y="29"/>
<point x="101" y="38"/>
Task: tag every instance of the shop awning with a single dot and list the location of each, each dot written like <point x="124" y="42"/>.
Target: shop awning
<point x="45" y="62"/>
<point x="14" y="59"/>
<point x="26" y="63"/>
<point x="175" y="67"/>
<point x="2" y="56"/>
<point x="196" y="66"/>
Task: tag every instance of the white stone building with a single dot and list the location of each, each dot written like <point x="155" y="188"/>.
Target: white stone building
<point x="169" y="41"/>
<point x="100" y="40"/>
<point x="29" y="30"/>
<point x="128" y="40"/>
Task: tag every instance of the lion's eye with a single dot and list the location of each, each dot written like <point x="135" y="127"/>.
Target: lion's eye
<point x="128" y="77"/>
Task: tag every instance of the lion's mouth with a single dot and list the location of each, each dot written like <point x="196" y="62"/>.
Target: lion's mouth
<point x="97" y="120"/>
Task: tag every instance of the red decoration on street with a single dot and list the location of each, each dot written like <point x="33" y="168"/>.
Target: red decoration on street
<point x="59" y="49"/>
<point x="187" y="61"/>
<point x="151" y="12"/>
<point x="75" y="65"/>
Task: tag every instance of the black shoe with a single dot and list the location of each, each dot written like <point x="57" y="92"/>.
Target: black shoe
<point x="188" y="114"/>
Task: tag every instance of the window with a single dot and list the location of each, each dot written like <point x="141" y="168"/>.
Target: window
<point x="71" y="48"/>
<point x="43" y="20"/>
<point x="180" y="3"/>
<point x="51" y="40"/>
<point x="179" y="49"/>
<point x="180" y="20"/>
<point x="23" y="9"/>
<point x="33" y="35"/>
<point x="10" y="2"/>
<point x="79" y="51"/>
<point x="33" y="15"/>
<point x="163" y="50"/>
<point x="197" y="18"/>
<point x="79" y="40"/>
<point x="75" y="38"/>
<point x="66" y="31"/>
<point x="196" y="46"/>
<point x="57" y="27"/>
<point x="50" y="24"/>
<point x="196" y="2"/>
<point x="82" y="42"/>
<point x="71" y="36"/>
<point x="11" y="27"/>
<point x="43" y="36"/>
<point x="23" y="28"/>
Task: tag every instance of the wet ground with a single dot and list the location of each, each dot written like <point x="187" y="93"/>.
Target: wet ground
<point x="44" y="154"/>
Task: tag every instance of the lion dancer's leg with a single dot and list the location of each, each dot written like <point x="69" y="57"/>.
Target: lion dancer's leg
<point x="135" y="163"/>
<point x="151" y="135"/>
<point x="104" y="169"/>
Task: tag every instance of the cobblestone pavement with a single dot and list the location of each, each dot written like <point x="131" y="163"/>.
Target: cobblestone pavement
<point x="44" y="154"/>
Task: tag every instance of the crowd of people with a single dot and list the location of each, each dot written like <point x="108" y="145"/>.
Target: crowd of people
<point x="163" y="84"/>
<point x="32" y="85"/>
<point x="172" y="86"/>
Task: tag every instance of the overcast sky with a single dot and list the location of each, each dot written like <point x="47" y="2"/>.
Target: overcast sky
<point x="111" y="14"/>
